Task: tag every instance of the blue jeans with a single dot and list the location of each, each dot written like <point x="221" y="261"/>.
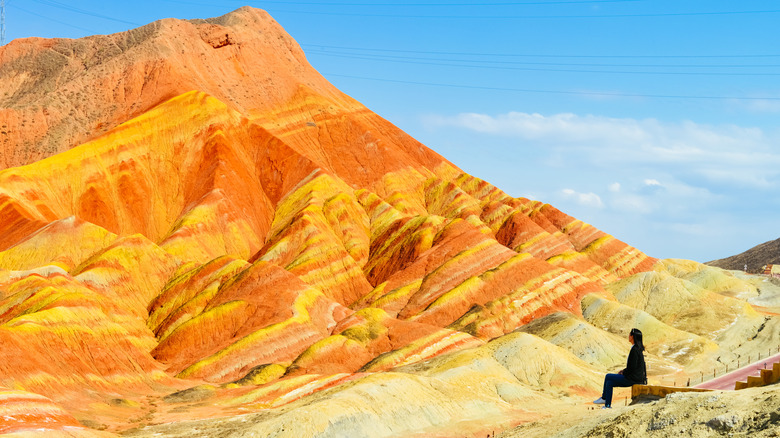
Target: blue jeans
<point x="612" y="381"/>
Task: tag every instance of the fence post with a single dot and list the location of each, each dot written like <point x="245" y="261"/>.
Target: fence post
<point x="689" y="382"/>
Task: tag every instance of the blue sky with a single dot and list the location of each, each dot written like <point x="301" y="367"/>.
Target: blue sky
<point x="655" y="121"/>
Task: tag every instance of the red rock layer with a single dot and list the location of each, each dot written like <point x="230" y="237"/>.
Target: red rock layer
<point x="610" y="253"/>
<point x="261" y="315"/>
<point x="59" y="335"/>
<point x="17" y="222"/>
<point x="361" y="340"/>
<point x="29" y="414"/>
<point x="187" y="294"/>
<point x="546" y="233"/>
<point x="65" y="243"/>
<point x="320" y="234"/>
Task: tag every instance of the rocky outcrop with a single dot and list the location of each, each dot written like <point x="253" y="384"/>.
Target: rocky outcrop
<point x="57" y="94"/>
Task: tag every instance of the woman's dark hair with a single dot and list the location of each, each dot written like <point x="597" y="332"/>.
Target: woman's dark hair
<point x="637" y="334"/>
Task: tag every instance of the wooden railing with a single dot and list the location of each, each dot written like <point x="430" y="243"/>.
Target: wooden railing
<point x="718" y="371"/>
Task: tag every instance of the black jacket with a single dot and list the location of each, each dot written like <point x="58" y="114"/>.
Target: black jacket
<point x="635" y="367"/>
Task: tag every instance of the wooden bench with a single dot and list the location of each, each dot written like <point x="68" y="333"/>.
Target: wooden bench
<point x="654" y="392"/>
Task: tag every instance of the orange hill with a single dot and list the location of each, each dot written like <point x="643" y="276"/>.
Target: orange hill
<point x="227" y="215"/>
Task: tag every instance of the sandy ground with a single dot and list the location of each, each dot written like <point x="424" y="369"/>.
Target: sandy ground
<point x="751" y="413"/>
<point x="568" y="421"/>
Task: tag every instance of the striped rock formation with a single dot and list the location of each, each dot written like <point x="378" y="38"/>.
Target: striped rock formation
<point x="451" y="395"/>
<point x="217" y="230"/>
<point x="26" y="414"/>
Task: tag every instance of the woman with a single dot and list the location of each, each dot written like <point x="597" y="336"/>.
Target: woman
<point x="634" y="373"/>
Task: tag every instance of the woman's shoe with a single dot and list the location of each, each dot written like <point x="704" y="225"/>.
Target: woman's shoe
<point x="600" y="401"/>
<point x="606" y="407"/>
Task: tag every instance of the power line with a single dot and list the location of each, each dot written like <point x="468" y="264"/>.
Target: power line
<point x="514" y="17"/>
<point x="563" y="70"/>
<point x="448" y="5"/>
<point x="66" y="7"/>
<point x="352" y="4"/>
<point x="561" y="2"/>
<point x="182" y="2"/>
<point x="580" y="93"/>
<point x="91" y="31"/>
<point x="542" y="55"/>
<point x="484" y="61"/>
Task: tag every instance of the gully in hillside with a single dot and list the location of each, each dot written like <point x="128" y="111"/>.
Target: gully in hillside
<point x="634" y="373"/>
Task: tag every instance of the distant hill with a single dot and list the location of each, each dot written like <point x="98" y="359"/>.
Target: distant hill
<point x="754" y="258"/>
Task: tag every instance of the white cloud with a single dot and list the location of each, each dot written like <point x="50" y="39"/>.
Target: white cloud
<point x="738" y="176"/>
<point x="589" y="199"/>
<point x="672" y="198"/>
<point x="633" y="204"/>
<point x="681" y="189"/>
<point x="564" y="127"/>
<point x="722" y="154"/>
<point x="697" y="229"/>
<point x="764" y="106"/>
<point x="771" y="105"/>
